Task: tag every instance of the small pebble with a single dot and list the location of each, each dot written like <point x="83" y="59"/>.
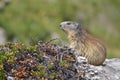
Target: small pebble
<point x="10" y="78"/>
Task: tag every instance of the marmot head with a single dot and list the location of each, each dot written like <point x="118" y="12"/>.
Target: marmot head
<point x="70" y="27"/>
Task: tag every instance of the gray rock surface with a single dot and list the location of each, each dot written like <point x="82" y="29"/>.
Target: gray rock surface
<point x="2" y="36"/>
<point x="110" y="70"/>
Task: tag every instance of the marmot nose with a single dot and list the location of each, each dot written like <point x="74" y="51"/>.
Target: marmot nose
<point x="62" y="25"/>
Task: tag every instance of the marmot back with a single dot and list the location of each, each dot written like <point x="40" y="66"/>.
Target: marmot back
<point x="85" y="45"/>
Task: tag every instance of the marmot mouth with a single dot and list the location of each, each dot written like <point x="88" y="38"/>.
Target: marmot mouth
<point x="62" y="29"/>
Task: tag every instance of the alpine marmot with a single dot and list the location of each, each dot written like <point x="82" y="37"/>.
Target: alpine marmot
<point x="85" y="45"/>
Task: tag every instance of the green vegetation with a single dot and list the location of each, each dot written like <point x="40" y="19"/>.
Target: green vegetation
<point x="53" y="76"/>
<point x="2" y="74"/>
<point x="25" y="62"/>
<point x="34" y="20"/>
<point x="38" y="73"/>
<point x="64" y="63"/>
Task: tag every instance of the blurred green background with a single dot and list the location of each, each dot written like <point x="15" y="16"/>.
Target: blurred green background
<point x="31" y="20"/>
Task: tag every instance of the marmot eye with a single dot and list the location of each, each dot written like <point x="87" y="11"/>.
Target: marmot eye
<point x="68" y="23"/>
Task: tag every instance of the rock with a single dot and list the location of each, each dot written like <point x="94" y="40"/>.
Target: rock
<point x="2" y="6"/>
<point x="7" y="1"/>
<point x="10" y="78"/>
<point x="110" y="70"/>
<point x="2" y="36"/>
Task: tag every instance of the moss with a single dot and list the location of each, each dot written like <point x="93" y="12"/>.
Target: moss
<point x="12" y="59"/>
<point x="34" y="73"/>
<point x="32" y="49"/>
<point x="40" y="55"/>
<point x="64" y="63"/>
<point x="17" y="60"/>
<point x="7" y="54"/>
<point x="2" y="74"/>
<point x="1" y="67"/>
<point x="50" y="67"/>
<point x="41" y="67"/>
<point x="41" y="73"/>
<point x="53" y="76"/>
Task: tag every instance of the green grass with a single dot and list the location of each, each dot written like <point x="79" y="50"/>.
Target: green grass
<point x="28" y="20"/>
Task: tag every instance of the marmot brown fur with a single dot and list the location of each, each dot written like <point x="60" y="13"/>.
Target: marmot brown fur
<point x="85" y="45"/>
